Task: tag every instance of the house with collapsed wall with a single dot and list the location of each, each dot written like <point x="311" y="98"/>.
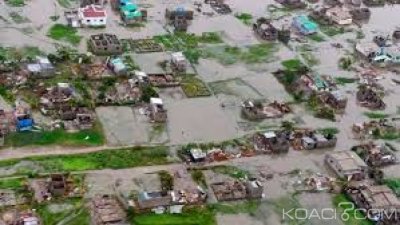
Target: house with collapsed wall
<point x="256" y="110"/>
<point x="237" y="190"/>
<point x="369" y="98"/>
<point x="334" y="99"/>
<point x="379" y="201"/>
<point x="179" y="17"/>
<point x="15" y="217"/>
<point x="265" y="30"/>
<point x="106" y="210"/>
<point x="271" y="142"/>
<point x="157" y="112"/>
<point x="317" y="141"/>
<point x="375" y="155"/>
<point x="339" y="15"/>
<point x="105" y="44"/>
<point x="347" y="165"/>
<point x="41" y="68"/>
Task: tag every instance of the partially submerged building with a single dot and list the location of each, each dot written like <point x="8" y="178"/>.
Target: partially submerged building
<point x="339" y="15"/>
<point x="265" y="30"/>
<point x="379" y="202"/>
<point x="375" y="155"/>
<point x="347" y="165"/>
<point x="106" y="210"/>
<point x="255" y="110"/>
<point x="271" y="142"/>
<point x="304" y="25"/>
<point x="369" y="98"/>
<point x="237" y="190"/>
<point x="157" y="111"/>
<point x="179" y="17"/>
<point x="92" y="16"/>
<point x="105" y="44"/>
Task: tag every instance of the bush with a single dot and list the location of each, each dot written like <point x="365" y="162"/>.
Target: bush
<point x="167" y="180"/>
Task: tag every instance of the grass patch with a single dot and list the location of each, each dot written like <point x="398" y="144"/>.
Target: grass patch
<point x="376" y="115"/>
<point x="354" y="215"/>
<point x="15" y="3"/>
<point x="332" y="30"/>
<point x="62" y="32"/>
<point x="12" y="183"/>
<point x="194" y="87"/>
<point x="316" y="37"/>
<point x="7" y="94"/>
<point x="228" y="55"/>
<point x="246" y="18"/>
<point x="344" y="80"/>
<point x="292" y="64"/>
<point x="92" y="137"/>
<point x="71" y="210"/>
<point x="231" y="171"/>
<point x="198" y="177"/>
<point x="106" y="159"/>
<point x="64" y="3"/>
<point x="17" y="18"/>
<point x="329" y="131"/>
<point x="394" y="184"/>
<point x="249" y="207"/>
<point x="194" y="216"/>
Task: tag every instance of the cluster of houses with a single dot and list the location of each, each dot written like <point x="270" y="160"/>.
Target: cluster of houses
<point x="380" y="51"/>
<point x="376" y="128"/>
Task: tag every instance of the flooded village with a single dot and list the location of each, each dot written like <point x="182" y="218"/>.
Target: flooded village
<point x="215" y="112"/>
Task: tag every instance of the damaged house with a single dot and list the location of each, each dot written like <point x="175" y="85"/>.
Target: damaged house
<point x="334" y="99"/>
<point x="311" y="140"/>
<point x="256" y="110"/>
<point x="106" y="210"/>
<point x="237" y="190"/>
<point x="179" y="62"/>
<point x="41" y="68"/>
<point x="375" y="155"/>
<point x="347" y="165"/>
<point x="105" y="44"/>
<point x="369" y="98"/>
<point x="339" y="15"/>
<point x="380" y="203"/>
<point x="157" y="111"/>
<point x="271" y="142"/>
<point x="150" y="200"/>
<point x="265" y="30"/>
<point x="179" y="18"/>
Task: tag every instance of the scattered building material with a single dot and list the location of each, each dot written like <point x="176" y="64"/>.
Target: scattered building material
<point x="105" y="210"/>
<point x="271" y="142"/>
<point x="265" y="30"/>
<point x="256" y="110"/>
<point x="369" y="98"/>
<point x="179" y="18"/>
<point x="375" y="155"/>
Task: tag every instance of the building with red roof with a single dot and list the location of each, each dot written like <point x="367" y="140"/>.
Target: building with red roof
<point x="93" y="15"/>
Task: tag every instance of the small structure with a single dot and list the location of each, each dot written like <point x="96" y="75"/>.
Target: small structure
<point x="275" y="142"/>
<point x="105" y="210"/>
<point x="178" y="62"/>
<point x="219" y="6"/>
<point x="179" y="17"/>
<point x="117" y="66"/>
<point x="197" y="155"/>
<point x="130" y="13"/>
<point x="41" y="68"/>
<point x="380" y="202"/>
<point x="105" y="44"/>
<point x="369" y="98"/>
<point x="375" y="155"/>
<point x="265" y="30"/>
<point x="334" y="99"/>
<point x="360" y="13"/>
<point x="57" y="184"/>
<point x="23" y="117"/>
<point x="93" y="16"/>
<point x="318" y="141"/>
<point x="339" y="15"/>
<point x="72" y="17"/>
<point x="255" y="189"/>
<point x="256" y="110"/>
<point x="347" y="165"/>
<point x="304" y="25"/>
<point x="151" y="200"/>
<point x="157" y="111"/>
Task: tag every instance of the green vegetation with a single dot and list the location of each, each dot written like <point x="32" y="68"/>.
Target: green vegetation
<point x="394" y="184"/>
<point x="106" y="159"/>
<point x="253" y="54"/>
<point x="167" y="180"/>
<point x="316" y="37"/>
<point x="6" y="94"/>
<point x="91" y="137"/>
<point x="354" y="215"/>
<point x="329" y="131"/>
<point x="246" y="18"/>
<point x="345" y="63"/>
<point x="198" y="177"/>
<point x="194" y="216"/>
<point x="193" y="86"/>
<point x="62" y="32"/>
<point x="71" y="211"/>
<point x="15" y="3"/>
<point x="344" y="80"/>
<point x="17" y="18"/>
<point x="249" y="207"/>
<point x="292" y="64"/>
<point x="310" y="59"/>
<point x="147" y="93"/>
<point x="332" y="30"/>
<point x="12" y="183"/>
<point x="231" y="171"/>
<point x="386" y="135"/>
<point x="64" y="3"/>
<point x="376" y="115"/>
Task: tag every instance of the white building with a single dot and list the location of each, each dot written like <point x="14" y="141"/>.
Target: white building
<point x="340" y="16"/>
<point x="93" y="15"/>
